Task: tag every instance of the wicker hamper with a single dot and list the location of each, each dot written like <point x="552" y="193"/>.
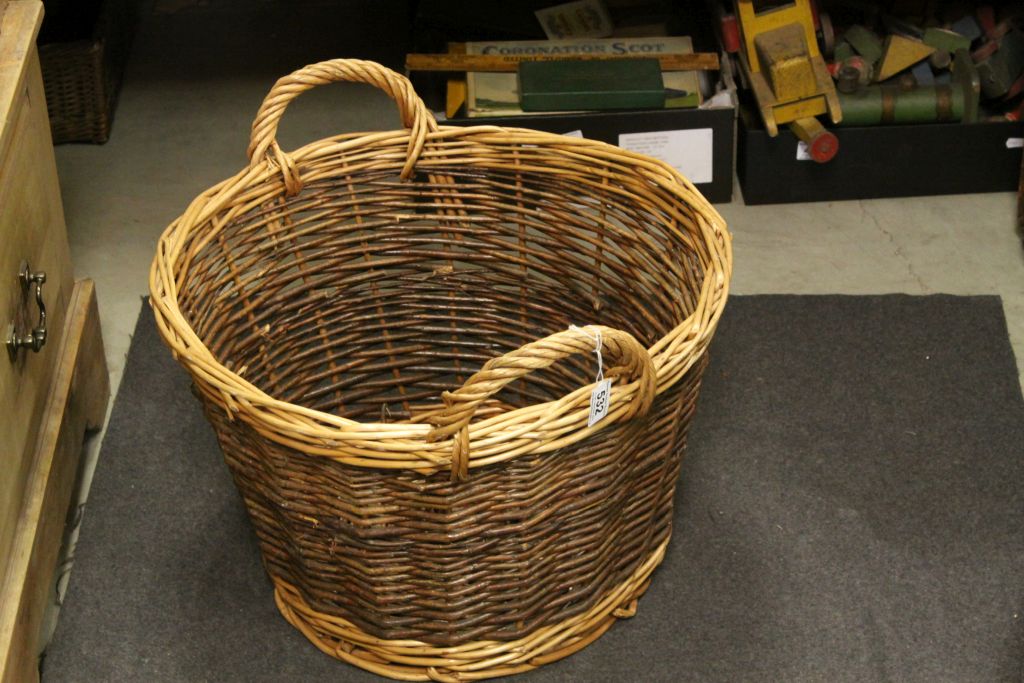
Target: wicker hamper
<point x="83" y="49"/>
<point x="380" y="329"/>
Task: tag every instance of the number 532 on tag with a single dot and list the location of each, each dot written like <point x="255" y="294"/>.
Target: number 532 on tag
<point x="600" y="401"/>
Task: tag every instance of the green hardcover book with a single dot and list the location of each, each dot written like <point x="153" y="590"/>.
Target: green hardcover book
<point x="569" y="85"/>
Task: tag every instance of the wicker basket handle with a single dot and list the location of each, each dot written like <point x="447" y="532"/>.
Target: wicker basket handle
<point x="415" y="116"/>
<point x="625" y="355"/>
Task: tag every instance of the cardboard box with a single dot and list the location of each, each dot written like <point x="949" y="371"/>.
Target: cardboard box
<point x="880" y="161"/>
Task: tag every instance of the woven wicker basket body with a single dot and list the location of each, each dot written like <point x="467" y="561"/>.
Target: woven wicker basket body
<point x="378" y="326"/>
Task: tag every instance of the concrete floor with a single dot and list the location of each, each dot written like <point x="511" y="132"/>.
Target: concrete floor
<point x="199" y="71"/>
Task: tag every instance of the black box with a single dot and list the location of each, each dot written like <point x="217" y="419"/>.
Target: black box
<point x="880" y="161"/>
<point x="904" y="160"/>
<point x="714" y="147"/>
<point x="608" y="126"/>
<point x="441" y="22"/>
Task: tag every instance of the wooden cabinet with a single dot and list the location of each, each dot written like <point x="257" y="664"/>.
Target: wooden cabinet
<point x="49" y="397"/>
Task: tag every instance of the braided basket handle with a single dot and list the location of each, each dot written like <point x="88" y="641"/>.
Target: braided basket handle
<point x="627" y="358"/>
<point x="415" y="116"/>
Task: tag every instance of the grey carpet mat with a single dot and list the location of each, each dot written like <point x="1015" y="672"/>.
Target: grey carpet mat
<point x="851" y="508"/>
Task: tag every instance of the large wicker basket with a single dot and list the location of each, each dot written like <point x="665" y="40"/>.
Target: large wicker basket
<point x="379" y="328"/>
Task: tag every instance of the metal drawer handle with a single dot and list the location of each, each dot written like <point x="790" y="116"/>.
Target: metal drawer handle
<point x="35" y="338"/>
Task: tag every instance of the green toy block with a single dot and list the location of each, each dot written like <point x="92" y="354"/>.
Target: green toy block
<point x="865" y="42"/>
<point x="944" y="39"/>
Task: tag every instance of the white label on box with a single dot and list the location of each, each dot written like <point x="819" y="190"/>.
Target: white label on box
<point x="574" y="134"/>
<point x="802" y="153"/>
<point x="600" y="401"/>
<point x="687" y="151"/>
<point x="1014" y="143"/>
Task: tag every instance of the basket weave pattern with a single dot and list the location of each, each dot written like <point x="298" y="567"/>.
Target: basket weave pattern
<point x="378" y="324"/>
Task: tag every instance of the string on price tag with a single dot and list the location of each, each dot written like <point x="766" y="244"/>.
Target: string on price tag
<point x="601" y="396"/>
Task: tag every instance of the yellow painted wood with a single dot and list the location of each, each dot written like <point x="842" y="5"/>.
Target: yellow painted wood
<point x="456" y="86"/>
<point x="765" y="99"/>
<point x="807" y="129"/>
<point x="801" y="109"/>
<point x="753" y="24"/>
<point x="901" y="53"/>
<point x="785" y="69"/>
<point x="784" y="61"/>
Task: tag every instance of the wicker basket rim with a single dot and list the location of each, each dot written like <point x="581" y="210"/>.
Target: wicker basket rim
<point x="402" y="445"/>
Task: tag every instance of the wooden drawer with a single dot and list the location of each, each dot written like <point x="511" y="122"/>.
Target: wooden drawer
<point x="47" y="398"/>
<point x="31" y="230"/>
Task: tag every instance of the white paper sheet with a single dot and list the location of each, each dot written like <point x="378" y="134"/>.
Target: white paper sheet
<point x="688" y="151"/>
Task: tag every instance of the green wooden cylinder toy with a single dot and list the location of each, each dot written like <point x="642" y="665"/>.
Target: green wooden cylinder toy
<point x="876" y="105"/>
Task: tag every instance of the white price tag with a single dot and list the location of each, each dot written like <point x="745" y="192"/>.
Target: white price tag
<point x="600" y="401"/>
<point x="574" y="134"/>
<point x="1014" y="143"/>
<point x="802" y="153"/>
